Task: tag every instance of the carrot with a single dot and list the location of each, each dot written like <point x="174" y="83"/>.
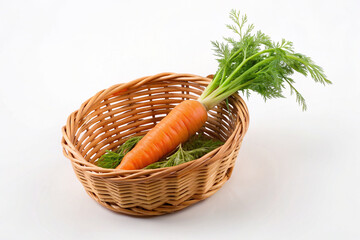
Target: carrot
<point x="249" y="62"/>
<point x="180" y="124"/>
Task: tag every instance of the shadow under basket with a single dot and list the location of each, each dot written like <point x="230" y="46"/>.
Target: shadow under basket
<point x="125" y="110"/>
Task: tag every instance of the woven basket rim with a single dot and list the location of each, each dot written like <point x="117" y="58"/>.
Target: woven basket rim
<point x="132" y="175"/>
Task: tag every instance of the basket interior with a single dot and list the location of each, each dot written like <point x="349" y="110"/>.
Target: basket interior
<point x="134" y="112"/>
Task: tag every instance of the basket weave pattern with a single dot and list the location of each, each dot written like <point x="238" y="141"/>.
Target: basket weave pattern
<point x="125" y="110"/>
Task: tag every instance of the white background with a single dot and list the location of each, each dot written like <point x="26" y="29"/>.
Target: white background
<point x="297" y="175"/>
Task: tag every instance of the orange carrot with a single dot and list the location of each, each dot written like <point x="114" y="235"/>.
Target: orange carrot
<point x="181" y="123"/>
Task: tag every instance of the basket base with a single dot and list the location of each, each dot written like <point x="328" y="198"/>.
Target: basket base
<point x="165" y="208"/>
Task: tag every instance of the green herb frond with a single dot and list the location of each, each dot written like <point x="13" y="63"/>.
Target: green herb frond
<point x="253" y="62"/>
<point x="221" y="50"/>
<point x="109" y="160"/>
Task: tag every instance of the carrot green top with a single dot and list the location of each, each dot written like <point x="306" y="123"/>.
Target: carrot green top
<point x="253" y="62"/>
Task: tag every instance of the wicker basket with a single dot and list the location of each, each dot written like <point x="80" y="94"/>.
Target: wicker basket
<point x="113" y="115"/>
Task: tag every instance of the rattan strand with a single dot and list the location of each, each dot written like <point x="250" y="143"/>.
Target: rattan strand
<point x="113" y="115"/>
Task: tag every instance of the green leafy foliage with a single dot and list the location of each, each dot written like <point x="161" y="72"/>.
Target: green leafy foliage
<point x="109" y="160"/>
<point x="252" y="62"/>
